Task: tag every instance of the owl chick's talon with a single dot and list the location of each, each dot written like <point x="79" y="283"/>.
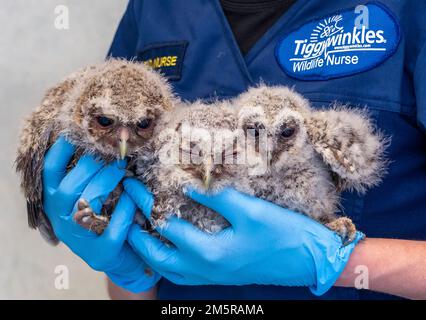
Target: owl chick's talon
<point x="345" y="228"/>
<point x="86" y="218"/>
<point x="82" y="204"/>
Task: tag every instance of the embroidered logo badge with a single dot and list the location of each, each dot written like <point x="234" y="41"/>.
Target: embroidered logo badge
<point x="166" y="57"/>
<point x="341" y="44"/>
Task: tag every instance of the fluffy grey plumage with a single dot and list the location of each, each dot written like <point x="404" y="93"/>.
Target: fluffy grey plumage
<point x="313" y="155"/>
<point x="281" y="150"/>
<point x="189" y="155"/>
<point x="268" y="142"/>
<point x="109" y="110"/>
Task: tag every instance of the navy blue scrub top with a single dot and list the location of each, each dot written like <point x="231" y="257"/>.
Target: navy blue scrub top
<point x="372" y="56"/>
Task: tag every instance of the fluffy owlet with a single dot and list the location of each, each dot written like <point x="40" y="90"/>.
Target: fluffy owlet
<point x="198" y="150"/>
<point x="306" y="157"/>
<point x="109" y="110"/>
<point x="269" y="143"/>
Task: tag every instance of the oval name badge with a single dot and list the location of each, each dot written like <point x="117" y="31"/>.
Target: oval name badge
<point x="341" y="44"/>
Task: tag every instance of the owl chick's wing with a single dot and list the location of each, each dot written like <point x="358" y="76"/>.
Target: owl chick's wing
<point x="37" y="135"/>
<point x="350" y="145"/>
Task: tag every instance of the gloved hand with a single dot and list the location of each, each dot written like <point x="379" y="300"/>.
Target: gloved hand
<point x="266" y="244"/>
<point x="93" y="181"/>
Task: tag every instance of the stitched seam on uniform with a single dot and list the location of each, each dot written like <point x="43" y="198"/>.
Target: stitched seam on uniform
<point x="232" y="42"/>
<point x="134" y="20"/>
<point x="422" y="48"/>
<point x="394" y="107"/>
<point x="345" y="96"/>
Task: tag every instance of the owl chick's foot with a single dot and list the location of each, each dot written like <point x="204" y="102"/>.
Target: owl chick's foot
<point x="158" y="215"/>
<point x="86" y="218"/>
<point x="345" y="228"/>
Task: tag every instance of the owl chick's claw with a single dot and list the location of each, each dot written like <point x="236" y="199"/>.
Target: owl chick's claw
<point x="82" y="204"/>
<point x="89" y="220"/>
<point x="345" y="228"/>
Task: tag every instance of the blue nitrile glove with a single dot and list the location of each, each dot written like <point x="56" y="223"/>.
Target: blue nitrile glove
<point x="93" y="181"/>
<point x="266" y="244"/>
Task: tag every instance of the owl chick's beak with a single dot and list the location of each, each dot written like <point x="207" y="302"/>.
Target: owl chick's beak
<point x="123" y="138"/>
<point x="207" y="176"/>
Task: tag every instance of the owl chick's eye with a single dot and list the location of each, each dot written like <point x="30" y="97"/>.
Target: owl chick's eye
<point x="144" y="124"/>
<point x="105" y="122"/>
<point x="287" y="131"/>
<point x="254" y="129"/>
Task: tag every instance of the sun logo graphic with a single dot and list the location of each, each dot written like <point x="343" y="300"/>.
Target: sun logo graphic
<point x="327" y="28"/>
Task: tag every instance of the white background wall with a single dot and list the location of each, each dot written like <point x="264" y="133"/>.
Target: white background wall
<point x="33" y="56"/>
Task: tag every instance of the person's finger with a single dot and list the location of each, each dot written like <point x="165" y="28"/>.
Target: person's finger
<point x="56" y="162"/>
<point x="121" y="220"/>
<point x="184" y="235"/>
<point x="229" y="203"/>
<point x="102" y="184"/>
<point x="153" y="251"/>
<point x="140" y="195"/>
<point x="77" y="179"/>
<point x="176" y="278"/>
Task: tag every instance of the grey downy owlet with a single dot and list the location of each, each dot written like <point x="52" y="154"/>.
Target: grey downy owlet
<point x="196" y="151"/>
<point x="270" y="143"/>
<point x="311" y="155"/>
<point x="110" y="110"/>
